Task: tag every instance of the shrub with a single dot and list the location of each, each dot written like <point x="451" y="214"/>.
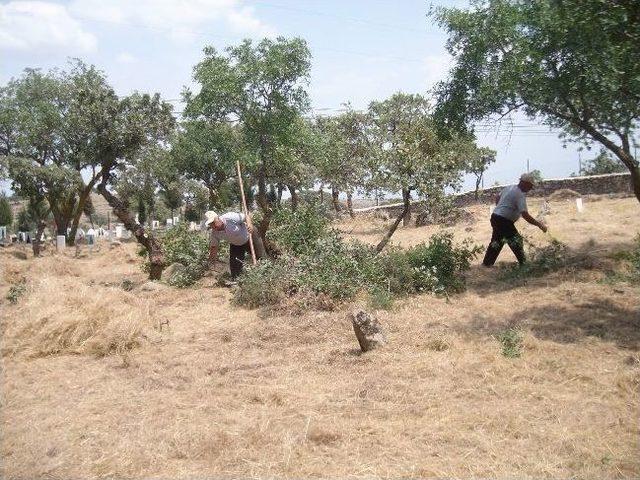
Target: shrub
<point x="339" y="270"/>
<point x="336" y="268"/>
<point x="297" y="231"/>
<point x="266" y="283"/>
<point x="437" y="267"/>
<point x="190" y="249"/>
<point x="541" y="260"/>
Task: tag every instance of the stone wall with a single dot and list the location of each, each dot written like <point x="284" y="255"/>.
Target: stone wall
<point x="618" y="183"/>
<point x="592" y="185"/>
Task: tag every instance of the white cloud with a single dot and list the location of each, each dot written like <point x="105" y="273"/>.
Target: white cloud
<point x="126" y="58"/>
<point x="43" y="27"/>
<point x="182" y="19"/>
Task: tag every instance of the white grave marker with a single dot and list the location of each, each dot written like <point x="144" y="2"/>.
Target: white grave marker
<point x="169" y="223"/>
<point x="579" y="205"/>
<point x="155" y="224"/>
<point x="192" y="226"/>
<point x="118" y="232"/>
<point x="61" y="242"/>
<point x="176" y="220"/>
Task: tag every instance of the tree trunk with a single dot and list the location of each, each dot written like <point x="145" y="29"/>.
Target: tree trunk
<point x="82" y="200"/>
<point x="350" y="205"/>
<point x="213" y="196"/>
<point x="153" y="247"/>
<point x="61" y="223"/>
<point x="622" y="152"/>
<point x="406" y="199"/>
<point x="294" y="197"/>
<point x="279" y="191"/>
<point x="263" y="204"/>
<point x="478" y="180"/>
<point x="334" y="198"/>
<point x="393" y="228"/>
<point x="36" y="243"/>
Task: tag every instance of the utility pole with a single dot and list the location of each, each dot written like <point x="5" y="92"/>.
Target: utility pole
<point x="528" y="166"/>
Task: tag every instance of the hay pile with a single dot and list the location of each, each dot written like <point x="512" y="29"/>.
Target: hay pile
<point x="62" y="314"/>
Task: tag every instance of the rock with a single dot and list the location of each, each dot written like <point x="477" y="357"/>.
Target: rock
<point x="368" y="331"/>
<point x="152" y="287"/>
<point x="172" y="270"/>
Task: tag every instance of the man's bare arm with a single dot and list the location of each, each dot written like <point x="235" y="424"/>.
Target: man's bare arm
<point x="533" y="221"/>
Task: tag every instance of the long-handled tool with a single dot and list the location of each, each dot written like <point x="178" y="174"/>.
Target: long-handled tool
<point x="245" y="210"/>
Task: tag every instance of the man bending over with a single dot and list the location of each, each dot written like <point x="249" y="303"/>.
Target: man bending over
<point x="510" y="205"/>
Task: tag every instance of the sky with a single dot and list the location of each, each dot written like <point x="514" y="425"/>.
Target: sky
<point x="362" y="50"/>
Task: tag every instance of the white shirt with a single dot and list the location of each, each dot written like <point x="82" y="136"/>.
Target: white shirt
<point x="511" y="204"/>
<point x="235" y="230"/>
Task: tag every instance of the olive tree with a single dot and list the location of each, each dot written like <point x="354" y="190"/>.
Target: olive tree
<point x="411" y="155"/>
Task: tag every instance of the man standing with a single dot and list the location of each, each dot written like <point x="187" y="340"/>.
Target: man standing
<point x="231" y="227"/>
<point x="510" y="205"/>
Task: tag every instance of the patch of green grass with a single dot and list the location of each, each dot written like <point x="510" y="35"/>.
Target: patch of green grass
<point x="511" y="341"/>
<point x="16" y="291"/>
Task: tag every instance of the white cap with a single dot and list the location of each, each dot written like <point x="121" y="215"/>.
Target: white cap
<point x="210" y="217"/>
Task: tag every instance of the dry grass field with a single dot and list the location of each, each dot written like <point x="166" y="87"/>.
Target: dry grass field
<point x="99" y="382"/>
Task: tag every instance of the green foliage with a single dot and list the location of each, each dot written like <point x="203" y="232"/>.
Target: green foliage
<point x="601" y="164"/>
<point x="263" y="86"/>
<point x="297" y="231"/>
<point x="436" y="267"/>
<point x="380" y="299"/>
<point x="336" y="268"/>
<point x="142" y="212"/>
<point x="16" y="291"/>
<point x="6" y="215"/>
<point x="631" y="261"/>
<point x="190" y="249"/>
<point x="340" y="270"/>
<point x="537" y="176"/>
<point x="266" y="283"/>
<point x="23" y="222"/>
<point x="541" y="260"/>
<point x="511" y="341"/>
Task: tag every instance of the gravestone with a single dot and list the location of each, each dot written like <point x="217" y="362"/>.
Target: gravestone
<point x="61" y="242"/>
<point x="118" y="231"/>
<point x="368" y="331"/>
<point x="579" y="205"/>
